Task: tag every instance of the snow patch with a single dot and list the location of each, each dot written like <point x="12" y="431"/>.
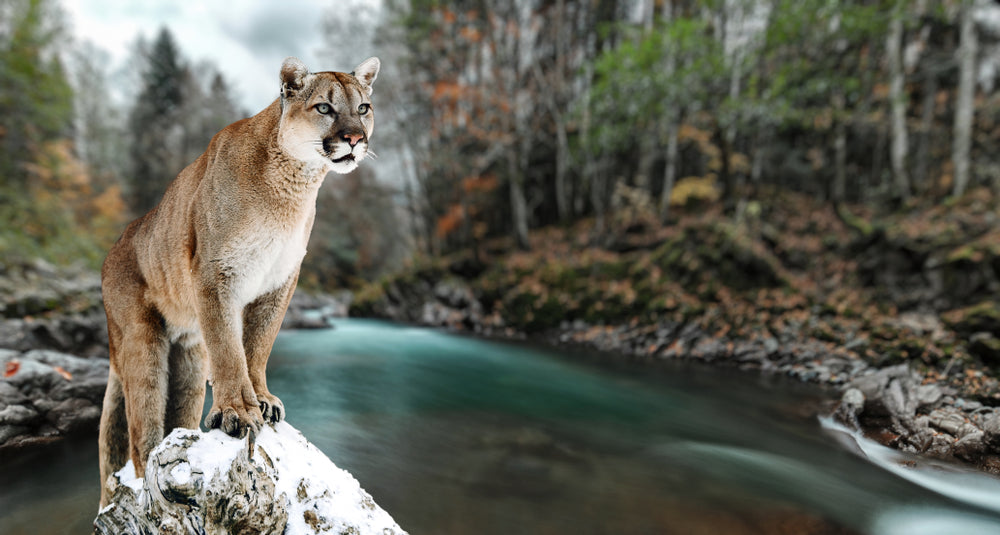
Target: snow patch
<point x="181" y="473"/>
<point x="321" y="495"/>
<point x="126" y="476"/>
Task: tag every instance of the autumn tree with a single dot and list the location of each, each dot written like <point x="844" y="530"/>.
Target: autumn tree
<point x="492" y="92"/>
<point x="36" y="100"/>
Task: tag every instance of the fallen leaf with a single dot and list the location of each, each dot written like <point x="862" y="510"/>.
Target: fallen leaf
<point x="11" y="368"/>
<point x="66" y="375"/>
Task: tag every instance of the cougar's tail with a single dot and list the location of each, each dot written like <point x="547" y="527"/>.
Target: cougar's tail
<point x="113" y="440"/>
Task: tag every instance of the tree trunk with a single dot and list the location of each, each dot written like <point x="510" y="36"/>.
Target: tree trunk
<point x="562" y="139"/>
<point x="562" y="165"/>
<point x="838" y="190"/>
<point x="673" y="122"/>
<point x="518" y="204"/>
<point x="921" y="174"/>
<point x="897" y="103"/>
<point x="669" y="168"/>
<point x="599" y="200"/>
<point x="964" y="101"/>
<point x="725" y="155"/>
<point x="648" y="129"/>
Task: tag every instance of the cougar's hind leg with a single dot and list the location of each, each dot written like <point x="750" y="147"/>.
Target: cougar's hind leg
<point x="144" y="378"/>
<point x="186" y="398"/>
<point x="113" y="439"/>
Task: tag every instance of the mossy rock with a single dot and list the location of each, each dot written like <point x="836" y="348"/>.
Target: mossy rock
<point x="986" y="347"/>
<point x="367" y="300"/>
<point x="531" y="312"/>
<point x="719" y="253"/>
<point x="982" y="317"/>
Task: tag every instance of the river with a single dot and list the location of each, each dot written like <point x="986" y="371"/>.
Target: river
<point x="454" y="435"/>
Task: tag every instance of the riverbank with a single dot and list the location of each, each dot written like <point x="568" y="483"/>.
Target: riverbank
<point x="901" y="315"/>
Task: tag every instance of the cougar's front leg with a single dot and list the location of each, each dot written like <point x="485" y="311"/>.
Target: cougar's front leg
<point x="234" y="405"/>
<point x="261" y="323"/>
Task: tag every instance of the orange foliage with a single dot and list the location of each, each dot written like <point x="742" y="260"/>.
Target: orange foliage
<point x="479" y="184"/>
<point x="62" y="371"/>
<point x="65" y="203"/>
<point x="446" y="89"/>
<point x="471" y="34"/>
<point x="450" y="221"/>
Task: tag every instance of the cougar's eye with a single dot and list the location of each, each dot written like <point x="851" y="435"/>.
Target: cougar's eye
<point x="364" y="109"/>
<point x="323" y="108"/>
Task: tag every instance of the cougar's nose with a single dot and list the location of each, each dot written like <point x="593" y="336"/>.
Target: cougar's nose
<point x="352" y="138"/>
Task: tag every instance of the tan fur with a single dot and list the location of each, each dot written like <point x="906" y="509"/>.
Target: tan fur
<point x="196" y="289"/>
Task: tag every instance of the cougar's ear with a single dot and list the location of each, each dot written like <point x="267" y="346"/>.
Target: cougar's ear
<point x="293" y="75"/>
<point x="366" y="72"/>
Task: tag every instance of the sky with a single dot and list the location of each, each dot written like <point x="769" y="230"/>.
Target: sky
<point x="247" y="40"/>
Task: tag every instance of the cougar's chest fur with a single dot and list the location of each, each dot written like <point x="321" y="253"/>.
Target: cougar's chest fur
<point x="261" y="261"/>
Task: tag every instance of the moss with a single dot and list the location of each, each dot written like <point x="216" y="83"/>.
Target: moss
<point x="611" y="270"/>
<point x="981" y="317"/>
<point x="987" y="348"/>
<point x="531" y="313"/>
<point x="366" y="299"/>
<point x="862" y="226"/>
<point x="718" y="254"/>
<point x="965" y="253"/>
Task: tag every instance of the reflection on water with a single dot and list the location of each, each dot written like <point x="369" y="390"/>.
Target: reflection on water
<point x="454" y="436"/>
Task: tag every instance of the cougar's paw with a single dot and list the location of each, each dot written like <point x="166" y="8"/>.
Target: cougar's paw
<point x="234" y="420"/>
<point x="271" y="408"/>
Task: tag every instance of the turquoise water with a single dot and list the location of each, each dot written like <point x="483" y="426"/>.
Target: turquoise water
<point x="453" y="435"/>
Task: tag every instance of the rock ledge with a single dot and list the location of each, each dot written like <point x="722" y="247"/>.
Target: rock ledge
<point x="207" y="483"/>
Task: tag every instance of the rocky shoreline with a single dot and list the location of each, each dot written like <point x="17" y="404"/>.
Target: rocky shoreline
<point x="895" y="405"/>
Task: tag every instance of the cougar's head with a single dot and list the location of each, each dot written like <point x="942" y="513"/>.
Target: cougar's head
<point x="327" y="117"/>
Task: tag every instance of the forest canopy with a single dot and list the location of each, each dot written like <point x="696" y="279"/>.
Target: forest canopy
<point x="533" y="112"/>
<point x="512" y="116"/>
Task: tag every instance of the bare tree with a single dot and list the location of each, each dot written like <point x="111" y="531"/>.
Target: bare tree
<point x="672" y="128"/>
<point x="897" y="102"/>
<point x="967" y="50"/>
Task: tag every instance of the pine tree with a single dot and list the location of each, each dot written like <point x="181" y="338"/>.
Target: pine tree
<point x="154" y="125"/>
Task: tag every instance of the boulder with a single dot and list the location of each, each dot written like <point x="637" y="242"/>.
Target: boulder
<point x="314" y="311"/>
<point x="211" y="483"/>
<point x="46" y="394"/>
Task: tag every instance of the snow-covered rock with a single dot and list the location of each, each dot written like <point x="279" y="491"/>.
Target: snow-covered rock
<point x="197" y="482"/>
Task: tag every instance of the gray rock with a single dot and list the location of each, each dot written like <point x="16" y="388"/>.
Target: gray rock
<point x="73" y="415"/>
<point x="47" y="394"/>
<point x="928" y="396"/>
<point x="10" y="433"/>
<point x="18" y="415"/>
<point x="941" y="445"/>
<point x="970" y="446"/>
<point x="851" y="405"/>
<point x="949" y="421"/>
<point x="991" y="430"/>
<point x="896" y="400"/>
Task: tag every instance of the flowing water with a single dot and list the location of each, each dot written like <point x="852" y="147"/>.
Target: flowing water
<point x="453" y="435"/>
